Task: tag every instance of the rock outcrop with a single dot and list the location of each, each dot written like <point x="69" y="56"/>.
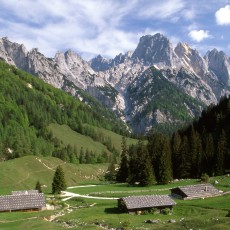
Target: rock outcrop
<point x="125" y="84"/>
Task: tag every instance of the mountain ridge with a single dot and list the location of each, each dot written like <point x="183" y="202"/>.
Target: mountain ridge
<point x="206" y="78"/>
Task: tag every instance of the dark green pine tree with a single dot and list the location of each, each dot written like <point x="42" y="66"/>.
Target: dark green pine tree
<point x="38" y="187"/>
<point x="160" y="153"/>
<point x="165" y="163"/>
<point x="154" y="149"/>
<point x="123" y="172"/>
<point x="175" y="148"/>
<point x="146" y="175"/>
<point x="208" y="161"/>
<point x="59" y="183"/>
<point x="133" y="165"/>
<point x="221" y="149"/>
<point x="195" y="152"/>
<point x="185" y="159"/>
<point x="110" y="174"/>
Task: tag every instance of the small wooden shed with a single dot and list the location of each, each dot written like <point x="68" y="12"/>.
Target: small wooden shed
<point x="30" y="200"/>
<point x="138" y="204"/>
<point x="195" y="191"/>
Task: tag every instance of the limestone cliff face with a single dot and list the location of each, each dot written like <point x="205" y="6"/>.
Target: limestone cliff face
<point x="156" y="50"/>
<point x="126" y="83"/>
<point x="191" y="59"/>
<point x="219" y="64"/>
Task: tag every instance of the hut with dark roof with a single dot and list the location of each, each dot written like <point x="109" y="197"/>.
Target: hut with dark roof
<point x="30" y="200"/>
<point x="195" y="191"/>
<point x="138" y="204"/>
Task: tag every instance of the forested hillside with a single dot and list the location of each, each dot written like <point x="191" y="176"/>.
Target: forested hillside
<point x="204" y="146"/>
<point x="201" y="148"/>
<point x="28" y="106"/>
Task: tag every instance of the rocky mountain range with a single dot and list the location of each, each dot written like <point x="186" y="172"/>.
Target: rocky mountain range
<point x="156" y="85"/>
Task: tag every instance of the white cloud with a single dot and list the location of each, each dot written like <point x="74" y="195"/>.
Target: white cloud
<point x="223" y="16"/>
<point x="189" y="14"/>
<point x="89" y="27"/>
<point x="199" y="35"/>
<point x="161" y="9"/>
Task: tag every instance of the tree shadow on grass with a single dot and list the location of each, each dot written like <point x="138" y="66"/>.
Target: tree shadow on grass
<point x="113" y="210"/>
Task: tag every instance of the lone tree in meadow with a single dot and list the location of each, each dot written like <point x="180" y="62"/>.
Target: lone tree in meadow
<point x="38" y="187"/>
<point x="59" y="183"/>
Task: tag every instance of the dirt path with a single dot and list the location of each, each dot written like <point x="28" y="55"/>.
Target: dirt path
<point x="71" y="195"/>
<point x="53" y="168"/>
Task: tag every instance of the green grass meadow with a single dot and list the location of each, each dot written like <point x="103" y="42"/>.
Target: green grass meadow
<point x="92" y="213"/>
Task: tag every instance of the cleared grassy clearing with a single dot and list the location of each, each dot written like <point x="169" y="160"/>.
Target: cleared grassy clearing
<point x="68" y="136"/>
<point x="125" y="188"/>
<point x="23" y="173"/>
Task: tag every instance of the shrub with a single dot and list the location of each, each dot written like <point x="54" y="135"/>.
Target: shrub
<point x="126" y="224"/>
<point x="228" y="215"/>
<point x="145" y="212"/>
<point x="204" y="178"/>
<point x="154" y="210"/>
<point x="166" y="211"/>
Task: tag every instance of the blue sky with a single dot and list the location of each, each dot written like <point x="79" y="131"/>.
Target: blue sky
<point x="110" y="27"/>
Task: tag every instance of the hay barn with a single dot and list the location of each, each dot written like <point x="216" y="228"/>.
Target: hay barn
<point x="195" y="191"/>
<point x="138" y="204"/>
<point x="30" y="200"/>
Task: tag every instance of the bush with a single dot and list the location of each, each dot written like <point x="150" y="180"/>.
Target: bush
<point x="154" y="210"/>
<point x="126" y="224"/>
<point x="204" y="178"/>
<point x="145" y="212"/>
<point x="166" y="211"/>
<point x="228" y="215"/>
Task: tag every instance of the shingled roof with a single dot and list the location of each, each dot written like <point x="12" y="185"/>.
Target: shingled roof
<point x="148" y="201"/>
<point x="22" y="202"/>
<point x="198" y="190"/>
<point x="25" y="192"/>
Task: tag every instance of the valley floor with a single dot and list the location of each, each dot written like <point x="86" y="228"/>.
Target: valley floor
<point x="95" y="207"/>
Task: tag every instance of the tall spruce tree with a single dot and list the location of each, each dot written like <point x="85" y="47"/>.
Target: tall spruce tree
<point x="59" y="183"/>
<point x="110" y="174"/>
<point x="38" y="187"/>
<point x="208" y="161"/>
<point x="146" y="175"/>
<point x="160" y="153"/>
<point x="133" y="165"/>
<point x="175" y="147"/>
<point x="165" y="163"/>
<point x="221" y="149"/>
<point x="123" y="172"/>
<point x="184" y="161"/>
<point x="195" y="152"/>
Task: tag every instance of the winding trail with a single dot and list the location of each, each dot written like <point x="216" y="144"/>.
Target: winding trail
<point x="52" y="169"/>
<point x="71" y="194"/>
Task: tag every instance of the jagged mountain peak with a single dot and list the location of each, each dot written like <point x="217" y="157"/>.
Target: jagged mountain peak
<point x="182" y="48"/>
<point x="217" y="53"/>
<point x="155" y="49"/>
<point x="99" y="63"/>
<point x="219" y="65"/>
<point x="108" y="80"/>
<point x="191" y="59"/>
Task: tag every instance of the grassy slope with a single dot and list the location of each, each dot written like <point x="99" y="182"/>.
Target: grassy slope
<point x="23" y="173"/>
<point x="115" y="138"/>
<point x="68" y="136"/>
